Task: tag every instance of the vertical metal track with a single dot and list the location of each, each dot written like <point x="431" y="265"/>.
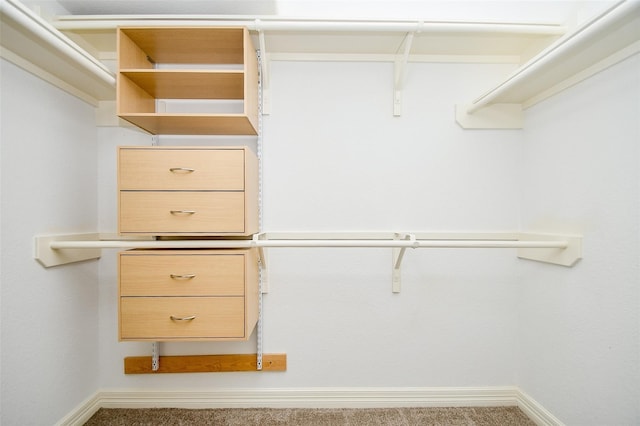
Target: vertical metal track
<point x="155" y="356"/>
<point x="260" y="266"/>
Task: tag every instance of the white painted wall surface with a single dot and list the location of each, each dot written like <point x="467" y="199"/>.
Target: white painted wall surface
<point x="579" y="337"/>
<point x="335" y="159"/>
<point x="49" y="316"/>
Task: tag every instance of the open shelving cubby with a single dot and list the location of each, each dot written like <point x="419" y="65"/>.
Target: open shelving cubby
<point x="188" y="81"/>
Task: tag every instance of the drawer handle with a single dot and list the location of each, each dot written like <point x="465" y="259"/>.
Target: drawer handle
<point x="181" y="170"/>
<point x="174" y="318"/>
<point x="179" y="212"/>
<point x="182" y="276"/>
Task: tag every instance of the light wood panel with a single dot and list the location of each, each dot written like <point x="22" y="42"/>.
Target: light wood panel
<point x="205" y="363"/>
<point x="189" y="45"/>
<point x="150" y="318"/>
<point x="130" y="55"/>
<point x="163" y="273"/>
<point x="251" y="101"/>
<point x="189" y="84"/>
<point x="131" y="98"/>
<point x="192" y="124"/>
<point x="181" y="213"/>
<point x="151" y="169"/>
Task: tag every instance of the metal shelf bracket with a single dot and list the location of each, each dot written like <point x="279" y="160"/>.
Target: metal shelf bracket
<point x="397" y="255"/>
<point x="400" y="71"/>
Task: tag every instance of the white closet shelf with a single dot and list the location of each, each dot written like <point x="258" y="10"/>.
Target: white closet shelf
<point x="563" y="58"/>
<point x="553" y="59"/>
<point x="599" y="43"/>
<point x="557" y="249"/>
<point x="32" y="43"/>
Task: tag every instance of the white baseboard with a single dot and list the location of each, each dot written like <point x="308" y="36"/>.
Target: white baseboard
<point x="82" y="412"/>
<point x="313" y="398"/>
<point x="535" y="411"/>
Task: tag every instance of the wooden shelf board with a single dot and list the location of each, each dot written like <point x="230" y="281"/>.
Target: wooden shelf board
<point x="205" y="363"/>
<point x="179" y="45"/>
<point x="189" y="84"/>
<point x="193" y="124"/>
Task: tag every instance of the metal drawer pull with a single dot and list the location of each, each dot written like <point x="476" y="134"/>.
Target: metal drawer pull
<point x="182" y="276"/>
<point x="178" y="212"/>
<point x="174" y="318"/>
<point x="181" y="169"/>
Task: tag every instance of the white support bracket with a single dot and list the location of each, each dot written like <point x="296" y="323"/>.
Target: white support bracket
<point x="48" y="257"/>
<point x="263" y="285"/>
<point x="400" y="75"/>
<point x="262" y="261"/>
<point x="397" y="255"/>
<point x="567" y="256"/>
<point x="494" y="116"/>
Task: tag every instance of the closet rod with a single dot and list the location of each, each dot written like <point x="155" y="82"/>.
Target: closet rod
<point x="265" y="23"/>
<point x="129" y="244"/>
<point x="567" y="45"/>
<point x="44" y="33"/>
<point x="558" y="249"/>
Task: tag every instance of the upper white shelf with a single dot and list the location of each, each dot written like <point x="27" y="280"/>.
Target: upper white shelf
<point x="600" y="42"/>
<point x="547" y="57"/>
<point x="355" y="39"/>
<point x="33" y="44"/>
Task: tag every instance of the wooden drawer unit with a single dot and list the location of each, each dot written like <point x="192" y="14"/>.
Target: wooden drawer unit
<point x="169" y="295"/>
<point x="187" y="191"/>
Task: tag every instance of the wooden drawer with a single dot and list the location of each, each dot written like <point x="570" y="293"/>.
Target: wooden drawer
<point x="217" y="286"/>
<point x="170" y="274"/>
<point x="181" y="169"/>
<point x="194" y="318"/>
<point x="184" y="213"/>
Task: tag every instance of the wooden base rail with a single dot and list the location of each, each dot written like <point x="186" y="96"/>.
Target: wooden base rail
<point x="205" y="363"/>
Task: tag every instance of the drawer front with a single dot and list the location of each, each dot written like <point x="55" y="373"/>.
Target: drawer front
<point x="186" y="213"/>
<point x="151" y="318"/>
<point x="182" y="275"/>
<point x="181" y="169"/>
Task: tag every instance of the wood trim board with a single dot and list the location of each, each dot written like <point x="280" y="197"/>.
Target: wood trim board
<point x="205" y="363"/>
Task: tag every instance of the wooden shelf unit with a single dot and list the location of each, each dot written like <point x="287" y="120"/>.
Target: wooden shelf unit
<point x="193" y="63"/>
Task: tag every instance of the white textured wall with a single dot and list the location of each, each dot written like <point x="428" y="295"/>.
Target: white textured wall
<point x="579" y="353"/>
<point x="49" y="316"/>
<point x="335" y="159"/>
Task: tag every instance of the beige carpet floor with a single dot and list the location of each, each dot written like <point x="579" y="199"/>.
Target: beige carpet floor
<point x="462" y="416"/>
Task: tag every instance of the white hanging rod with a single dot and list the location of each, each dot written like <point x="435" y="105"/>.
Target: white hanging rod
<point x="313" y="243"/>
<point x="39" y="29"/>
<point x="266" y="23"/>
<point x="553" y="248"/>
<point x="564" y="47"/>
